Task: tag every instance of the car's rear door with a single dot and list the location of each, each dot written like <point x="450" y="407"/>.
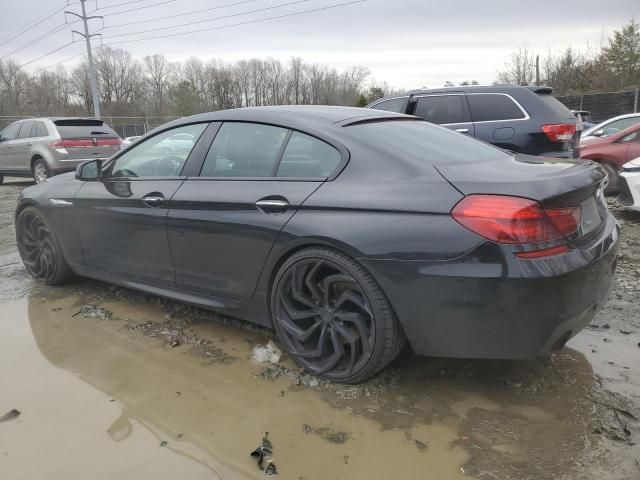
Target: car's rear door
<point x="495" y="117"/>
<point x="122" y="217"/>
<point x="21" y="146"/>
<point x="224" y="220"/>
<point x="449" y="110"/>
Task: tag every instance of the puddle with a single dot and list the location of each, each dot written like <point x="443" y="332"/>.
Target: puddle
<point x="98" y="396"/>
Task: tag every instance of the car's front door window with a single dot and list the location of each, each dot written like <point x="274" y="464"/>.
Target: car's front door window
<point x="162" y="155"/>
<point x="11" y="132"/>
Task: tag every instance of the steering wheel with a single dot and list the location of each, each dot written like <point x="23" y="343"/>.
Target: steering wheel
<point x="168" y="166"/>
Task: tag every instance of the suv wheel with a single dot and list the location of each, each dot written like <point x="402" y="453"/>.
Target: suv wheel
<point x="40" y="171"/>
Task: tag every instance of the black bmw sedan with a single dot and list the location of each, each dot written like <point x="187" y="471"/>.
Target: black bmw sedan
<point x="350" y="231"/>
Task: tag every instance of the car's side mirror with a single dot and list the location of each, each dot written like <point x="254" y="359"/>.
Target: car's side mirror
<point x="89" y="171"/>
<point x="598" y="133"/>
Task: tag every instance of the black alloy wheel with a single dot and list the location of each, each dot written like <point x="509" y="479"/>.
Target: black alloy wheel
<point x="39" y="248"/>
<point x="332" y="317"/>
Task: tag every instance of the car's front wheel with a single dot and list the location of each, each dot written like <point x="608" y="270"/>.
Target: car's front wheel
<point x="40" y="171"/>
<point x="39" y="248"/>
<point x="332" y="317"/>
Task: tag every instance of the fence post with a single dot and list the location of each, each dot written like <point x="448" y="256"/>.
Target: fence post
<point x="635" y="102"/>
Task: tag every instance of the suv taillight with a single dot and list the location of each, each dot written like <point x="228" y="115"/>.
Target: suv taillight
<point x="514" y="220"/>
<point x="560" y="132"/>
<point x="109" y="142"/>
<point x="72" y="143"/>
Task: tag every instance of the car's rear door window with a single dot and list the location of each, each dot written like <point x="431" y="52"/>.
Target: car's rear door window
<point x="25" y="130"/>
<point x="243" y="149"/>
<point x="398" y="105"/>
<point x="306" y="156"/>
<point x="491" y="107"/>
<point x="442" y="109"/>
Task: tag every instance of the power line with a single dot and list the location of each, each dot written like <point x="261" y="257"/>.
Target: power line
<point x="83" y="52"/>
<point x="328" y="7"/>
<point x="180" y="14"/>
<point x="123" y="3"/>
<point x="138" y="8"/>
<point x="31" y="25"/>
<point x="55" y="50"/>
<point x="53" y="31"/>
<point x="272" y="7"/>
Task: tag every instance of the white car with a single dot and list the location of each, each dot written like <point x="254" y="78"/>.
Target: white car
<point x="629" y="183"/>
<point x="129" y="140"/>
<point x="611" y="126"/>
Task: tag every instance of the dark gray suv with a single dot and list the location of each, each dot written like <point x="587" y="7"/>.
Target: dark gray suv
<point x="42" y="147"/>
<point x="521" y="119"/>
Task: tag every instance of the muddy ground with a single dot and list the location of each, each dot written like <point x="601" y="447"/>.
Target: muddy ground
<point x="109" y="383"/>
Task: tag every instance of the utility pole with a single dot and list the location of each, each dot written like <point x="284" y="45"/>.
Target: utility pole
<point x="537" y="69"/>
<point x="93" y="82"/>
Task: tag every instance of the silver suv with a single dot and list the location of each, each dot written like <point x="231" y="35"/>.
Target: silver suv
<point x="43" y="147"/>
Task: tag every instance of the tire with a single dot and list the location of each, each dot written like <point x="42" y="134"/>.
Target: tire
<point x="612" y="178"/>
<point x="39" y="248"/>
<point x="1" y="179"/>
<point x="332" y="317"/>
<point x="40" y="170"/>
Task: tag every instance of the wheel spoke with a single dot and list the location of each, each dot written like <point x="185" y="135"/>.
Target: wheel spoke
<point x="332" y="279"/>
<point x="312" y="284"/>
<point x="296" y="288"/>
<point x="332" y="361"/>
<point x="350" y="296"/>
<point x="295" y="314"/>
<point x="364" y="331"/>
<point x="320" y="346"/>
<point x="352" y="340"/>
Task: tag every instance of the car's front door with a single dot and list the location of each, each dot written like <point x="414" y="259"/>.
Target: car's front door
<point x="223" y="223"/>
<point x="449" y="110"/>
<point x="122" y="217"/>
<point x="633" y="145"/>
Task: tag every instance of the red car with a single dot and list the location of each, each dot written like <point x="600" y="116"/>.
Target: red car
<point x="612" y="152"/>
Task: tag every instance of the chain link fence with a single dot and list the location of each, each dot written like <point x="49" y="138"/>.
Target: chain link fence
<point x="603" y="105"/>
<point x="124" y="126"/>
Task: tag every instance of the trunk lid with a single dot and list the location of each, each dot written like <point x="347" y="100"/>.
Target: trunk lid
<point x="552" y="183"/>
<point x="85" y="139"/>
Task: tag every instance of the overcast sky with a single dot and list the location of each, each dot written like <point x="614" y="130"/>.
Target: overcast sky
<point x="408" y="43"/>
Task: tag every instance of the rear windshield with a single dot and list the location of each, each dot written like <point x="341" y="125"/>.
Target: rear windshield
<point x="555" y="105"/>
<point x="84" y="128"/>
<point x="419" y="141"/>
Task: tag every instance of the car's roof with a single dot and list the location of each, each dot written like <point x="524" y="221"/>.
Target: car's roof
<point x="292" y="115"/>
<point x="498" y="88"/>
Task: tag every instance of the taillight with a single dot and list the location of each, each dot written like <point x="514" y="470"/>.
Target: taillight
<point x="109" y="142"/>
<point x="560" y="132"/>
<point x="512" y="220"/>
<point x="72" y="143"/>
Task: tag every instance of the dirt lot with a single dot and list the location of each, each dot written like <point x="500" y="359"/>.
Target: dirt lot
<point x="110" y="383"/>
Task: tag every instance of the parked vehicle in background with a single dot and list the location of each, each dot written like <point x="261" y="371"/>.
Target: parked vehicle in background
<point x="613" y="152"/>
<point x="520" y="119"/>
<point x="629" y="183"/>
<point x="584" y="117"/>
<point x="348" y="230"/>
<point x="129" y="140"/>
<point x="43" y="147"/>
<point x="611" y="126"/>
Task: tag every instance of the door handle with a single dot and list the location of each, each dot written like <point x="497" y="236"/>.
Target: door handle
<point x="272" y="205"/>
<point x="153" y="200"/>
<point x="462" y="130"/>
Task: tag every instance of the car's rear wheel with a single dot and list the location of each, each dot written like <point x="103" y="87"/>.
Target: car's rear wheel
<point x="40" y="170"/>
<point x="332" y="317"/>
<point x="39" y="248"/>
<point x="612" y="178"/>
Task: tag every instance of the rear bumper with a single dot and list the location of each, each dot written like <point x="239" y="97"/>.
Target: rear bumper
<point x="503" y="310"/>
